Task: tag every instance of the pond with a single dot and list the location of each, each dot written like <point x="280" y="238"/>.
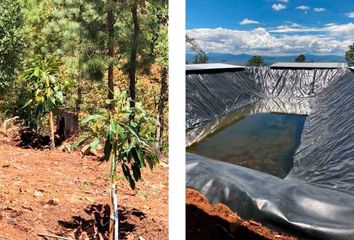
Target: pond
<point x="263" y="141"/>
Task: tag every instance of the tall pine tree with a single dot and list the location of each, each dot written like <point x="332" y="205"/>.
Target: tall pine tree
<point x="10" y="41"/>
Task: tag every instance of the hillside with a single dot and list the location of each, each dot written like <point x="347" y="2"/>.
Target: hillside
<point x="243" y="58"/>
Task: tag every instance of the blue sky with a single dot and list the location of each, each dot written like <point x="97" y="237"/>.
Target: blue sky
<point x="272" y="27"/>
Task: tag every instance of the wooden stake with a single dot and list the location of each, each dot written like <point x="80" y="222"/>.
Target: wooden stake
<point x="51" y="123"/>
<point x="53" y="236"/>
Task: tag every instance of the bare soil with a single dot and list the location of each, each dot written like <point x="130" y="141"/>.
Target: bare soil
<point x="64" y="194"/>
<point x="206" y="222"/>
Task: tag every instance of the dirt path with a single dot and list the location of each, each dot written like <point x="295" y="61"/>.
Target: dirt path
<point x="61" y="193"/>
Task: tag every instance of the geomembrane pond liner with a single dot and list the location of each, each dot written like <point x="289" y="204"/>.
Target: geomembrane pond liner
<point x="316" y="198"/>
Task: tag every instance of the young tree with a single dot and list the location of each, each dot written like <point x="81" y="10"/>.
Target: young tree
<point x="126" y="142"/>
<point x="255" y="61"/>
<point x="41" y="77"/>
<point x="349" y="54"/>
<point x="11" y="41"/>
<point x="300" y="58"/>
<point x="201" y="56"/>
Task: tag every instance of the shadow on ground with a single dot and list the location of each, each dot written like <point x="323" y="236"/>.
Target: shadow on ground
<point x="97" y="225"/>
<point x="30" y="139"/>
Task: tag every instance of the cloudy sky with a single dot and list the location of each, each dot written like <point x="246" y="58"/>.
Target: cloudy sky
<point x="272" y="27"/>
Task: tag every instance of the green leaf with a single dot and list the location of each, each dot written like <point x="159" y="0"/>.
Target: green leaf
<point x="27" y="103"/>
<point x="36" y="72"/>
<point x="136" y="171"/>
<point x="79" y="142"/>
<point x="91" y="118"/>
<point x="134" y="132"/>
<point x="95" y="144"/>
<point x="128" y="176"/>
<point x="141" y="158"/>
<point x="152" y="159"/>
<point x="108" y="146"/>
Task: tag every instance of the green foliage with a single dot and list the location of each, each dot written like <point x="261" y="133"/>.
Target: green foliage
<point x="95" y="68"/>
<point x="201" y="56"/>
<point x="255" y="61"/>
<point x="126" y="141"/>
<point x="153" y="44"/>
<point x="36" y="18"/>
<point x="11" y="41"/>
<point x="162" y="48"/>
<point x="41" y="79"/>
<point x="75" y="31"/>
<point x="300" y="58"/>
<point x="349" y="54"/>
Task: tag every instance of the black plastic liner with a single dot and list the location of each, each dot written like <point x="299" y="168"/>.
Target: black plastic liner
<point x="316" y="198"/>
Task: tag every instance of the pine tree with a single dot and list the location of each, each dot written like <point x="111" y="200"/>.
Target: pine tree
<point x="349" y="54"/>
<point x="300" y="58"/>
<point x="159" y="52"/>
<point x="11" y="23"/>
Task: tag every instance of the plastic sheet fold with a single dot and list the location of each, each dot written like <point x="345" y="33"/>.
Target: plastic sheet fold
<point x="316" y="199"/>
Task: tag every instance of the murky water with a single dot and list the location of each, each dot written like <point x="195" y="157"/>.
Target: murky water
<point x="262" y="141"/>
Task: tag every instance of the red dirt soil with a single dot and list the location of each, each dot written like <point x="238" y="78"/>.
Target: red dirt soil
<point x="205" y="222"/>
<point x="61" y="193"/>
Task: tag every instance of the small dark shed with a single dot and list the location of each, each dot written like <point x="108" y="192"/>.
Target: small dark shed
<point x="67" y="124"/>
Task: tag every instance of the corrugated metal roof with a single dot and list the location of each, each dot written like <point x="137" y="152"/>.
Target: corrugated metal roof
<point x="309" y="65"/>
<point x="212" y="67"/>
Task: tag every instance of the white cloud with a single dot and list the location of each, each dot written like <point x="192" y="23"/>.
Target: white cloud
<point x="350" y="15"/>
<point x="261" y="41"/>
<point x="344" y="30"/>
<point x="303" y="7"/>
<point x="293" y="28"/>
<point x="248" y="21"/>
<point x="332" y="29"/>
<point x="319" y="9"/>
<point x="330" y="24"/>
<point x="285" y="1"/>
<point x="278" y="6"/>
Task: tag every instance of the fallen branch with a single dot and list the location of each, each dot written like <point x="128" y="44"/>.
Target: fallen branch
<point x="53" y="236"/>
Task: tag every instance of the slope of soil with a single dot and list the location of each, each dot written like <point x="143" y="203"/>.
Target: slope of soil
<point x="205" y="222"/>
<point x="63" y="194"/>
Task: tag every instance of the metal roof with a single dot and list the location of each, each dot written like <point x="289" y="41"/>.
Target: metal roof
<point x="309" y="65"/>
<point x="213" y="67"/>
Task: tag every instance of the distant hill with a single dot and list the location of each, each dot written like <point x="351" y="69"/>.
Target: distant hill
<point x="243" y="58"/>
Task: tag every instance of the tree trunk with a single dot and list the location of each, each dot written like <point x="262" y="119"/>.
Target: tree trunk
<point x="161" y="106"/>
<point x="79" y="80"/>
<point x="110" y="53"/>
<point x="79" y="91"/>
<point x="51" y="123"/>
<point x="133" y="54"/>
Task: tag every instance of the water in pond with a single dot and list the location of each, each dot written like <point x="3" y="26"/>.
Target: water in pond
<point x="263" y="141"/>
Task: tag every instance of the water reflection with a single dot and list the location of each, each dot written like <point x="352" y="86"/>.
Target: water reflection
<point x="262" y="141"/>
